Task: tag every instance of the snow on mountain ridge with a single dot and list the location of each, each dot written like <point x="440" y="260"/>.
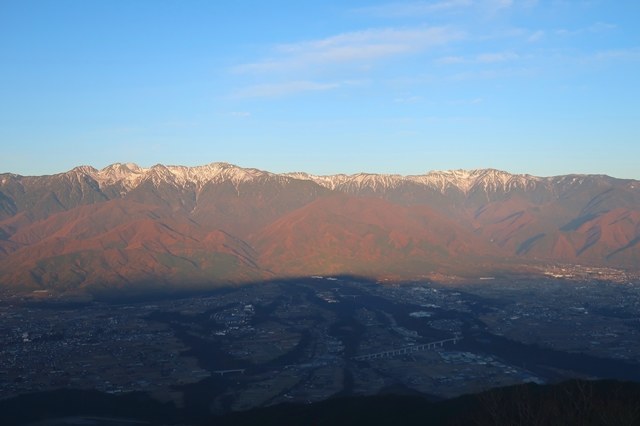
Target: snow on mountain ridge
<point x="485" y="179"/>
<point x="462" y="180"/>
<point x="130" y="175"/>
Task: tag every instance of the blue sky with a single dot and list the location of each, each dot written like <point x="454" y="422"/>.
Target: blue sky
<point x="541" y="87"/>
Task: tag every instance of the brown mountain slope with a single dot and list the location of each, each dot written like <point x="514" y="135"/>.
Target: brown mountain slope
<point x="367" y="236"/>
<point x="244" y="208"/>
<point x="119" y="243"/>
<point x="575" y="219"/>
<point x="124" y="225"/>
<point x="612" y="238"/>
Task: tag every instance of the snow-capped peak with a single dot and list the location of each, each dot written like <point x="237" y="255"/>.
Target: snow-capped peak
<point x="130" y="175"/>
<point x="470" y="180"/>
<point x="83" y="170"/>
<point x="215" y="172"/>
<point x="462" y="180"/>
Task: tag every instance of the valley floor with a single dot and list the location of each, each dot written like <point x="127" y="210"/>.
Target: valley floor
<point x="307" y="340"/>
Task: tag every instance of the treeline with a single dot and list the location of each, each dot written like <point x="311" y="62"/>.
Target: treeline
<point x="576" y="402"/>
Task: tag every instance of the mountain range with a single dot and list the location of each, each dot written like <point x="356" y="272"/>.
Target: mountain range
<point x="126" y="226"/>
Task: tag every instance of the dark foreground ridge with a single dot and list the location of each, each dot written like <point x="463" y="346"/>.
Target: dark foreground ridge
<point x="573" y="402"/>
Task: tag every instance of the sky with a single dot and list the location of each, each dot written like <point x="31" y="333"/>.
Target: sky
<point x="527" y="86"/>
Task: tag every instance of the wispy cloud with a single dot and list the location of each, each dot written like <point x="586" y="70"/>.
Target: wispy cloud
<point x="408" y="100"/>
<point x="598" y="27"/>
<point x="283" y="89"/>
<point x="352" y="48"/>
<point x="422" y="8"/>
<point x="488" y="58"/>
<point x="483" y="58"/>
<point x="625" y="54"/>
<point x="240" y="114"/>
<point x="413" y="9"/>
<point x="464" y="102"/>
<point x="500" y="4"/>
<point x="447" y="60"/>
<point x="182" y="124"/>
<point x="490" y="74"/>
<point x="536" y="36"/>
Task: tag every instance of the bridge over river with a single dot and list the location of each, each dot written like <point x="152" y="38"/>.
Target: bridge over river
<point x="407" y="349"/>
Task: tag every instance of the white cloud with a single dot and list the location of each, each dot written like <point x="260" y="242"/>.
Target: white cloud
<point x="536" y="36"/>
<point x="483" y="58"/>
<point x="501" y="4"/>
<point x="598" y="27"/>
<point x="626" y="54"/>
<point x="181" y="124"/>
<point x="412" y="9"/>
<point x="283" y="89"/>
<point x="463" y="102"/>
<point x="490" y="74"/>
<point x="487" y="58"/>
<point x="357" y="47"/>
<point x="447" y="60"/>
<point x="418" y="9"/>
<point x="408" y="100"/>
